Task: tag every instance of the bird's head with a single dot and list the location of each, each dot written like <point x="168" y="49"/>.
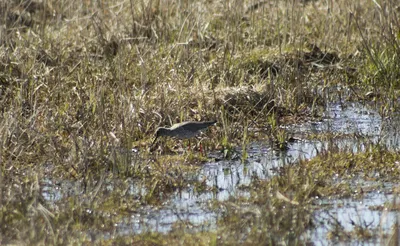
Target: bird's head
<point x="161" y="131"/>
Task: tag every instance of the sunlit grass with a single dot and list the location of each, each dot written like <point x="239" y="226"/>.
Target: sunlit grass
<point x="84" y="85"/>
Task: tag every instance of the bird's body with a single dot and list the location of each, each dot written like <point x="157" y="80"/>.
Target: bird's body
<point x="183" y="130"/>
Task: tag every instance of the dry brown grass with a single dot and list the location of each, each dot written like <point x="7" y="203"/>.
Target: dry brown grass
<point x="84" y="82"/>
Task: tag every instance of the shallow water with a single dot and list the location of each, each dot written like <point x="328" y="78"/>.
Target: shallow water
<point x="349" y="213"/>
<point x="363" y="127"/>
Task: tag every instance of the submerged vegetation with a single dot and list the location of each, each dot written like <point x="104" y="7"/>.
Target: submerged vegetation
<point x="84" y="85"/>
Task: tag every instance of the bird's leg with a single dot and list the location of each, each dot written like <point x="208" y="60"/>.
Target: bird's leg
<point x="154" y="141"/>
<point x="201" y="148"/>
<point x="189" y="144"/>
<point x="153" y="145"/>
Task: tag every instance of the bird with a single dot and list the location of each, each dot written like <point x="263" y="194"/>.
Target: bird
<point x="183" y="130"/>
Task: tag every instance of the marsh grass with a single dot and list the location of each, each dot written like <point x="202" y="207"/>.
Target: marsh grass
<point x="82" y="84"/>
<point x="280" y="210"/>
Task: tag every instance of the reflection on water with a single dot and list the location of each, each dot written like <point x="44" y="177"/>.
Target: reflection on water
<point x="363" y="126"/>
<point x="350" y="213"/>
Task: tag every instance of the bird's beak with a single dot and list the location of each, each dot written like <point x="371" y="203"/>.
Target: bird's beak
<point x="154" y="141"/>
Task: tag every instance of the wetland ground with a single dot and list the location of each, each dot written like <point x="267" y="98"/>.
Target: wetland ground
<point x="305" y="151"/>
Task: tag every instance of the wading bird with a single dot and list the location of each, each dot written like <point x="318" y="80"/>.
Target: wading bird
<point x="184" y="130"/>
